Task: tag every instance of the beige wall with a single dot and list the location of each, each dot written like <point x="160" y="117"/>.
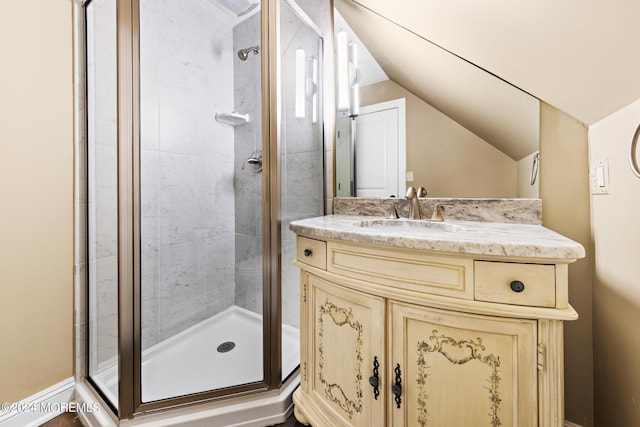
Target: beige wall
<point x="564" y="189"/>
<point x="36" y="184"/>
<point x="616" y="287"/>
<point x="447" y="159"/>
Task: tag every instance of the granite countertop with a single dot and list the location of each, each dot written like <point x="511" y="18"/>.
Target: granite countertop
<point x="463" y="237"/>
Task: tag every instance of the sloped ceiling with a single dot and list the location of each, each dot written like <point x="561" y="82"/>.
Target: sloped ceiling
<point x="580" y="56"/>
<point x="496" y="111"/>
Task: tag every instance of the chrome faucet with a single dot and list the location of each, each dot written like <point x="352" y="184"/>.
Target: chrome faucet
<point x="414" y="206"/>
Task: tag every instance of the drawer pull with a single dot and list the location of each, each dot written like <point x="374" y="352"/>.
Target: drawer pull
<point x="396" y="389"/>
<point x="307" y="252"/>
<point x="517" y="286"/>
<point x="374" y="379"/>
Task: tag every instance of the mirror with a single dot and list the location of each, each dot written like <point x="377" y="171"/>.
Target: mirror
<point x="425" y="117"/>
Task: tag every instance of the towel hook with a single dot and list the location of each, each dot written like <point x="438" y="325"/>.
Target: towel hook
<point x="633" y="161"/>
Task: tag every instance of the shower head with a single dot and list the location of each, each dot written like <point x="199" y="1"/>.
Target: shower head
<point x="243" y="54"/>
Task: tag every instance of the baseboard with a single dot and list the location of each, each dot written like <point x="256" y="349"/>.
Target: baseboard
<point x="99" y="415"/>
<point x="39" y="408"/>
<point x="570" y="424"/>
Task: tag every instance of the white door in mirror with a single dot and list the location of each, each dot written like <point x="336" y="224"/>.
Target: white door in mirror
<point x="380" y="159"/>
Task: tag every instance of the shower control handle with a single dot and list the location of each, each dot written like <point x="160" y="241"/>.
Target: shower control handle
<point x="307" y="253"/>
<point x="255" y="161"/>
<point x="252" y="161"/>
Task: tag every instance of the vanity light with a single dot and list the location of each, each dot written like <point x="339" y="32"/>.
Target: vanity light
<point x="314" y="87"/>
<point x="300" y="83"/>
<point x="354" y="98"/>
<point x="343" y="71"/>
<point x="348" y="100"/>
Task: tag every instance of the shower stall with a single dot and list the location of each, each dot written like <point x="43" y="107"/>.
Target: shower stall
<point x="204" y="139"/>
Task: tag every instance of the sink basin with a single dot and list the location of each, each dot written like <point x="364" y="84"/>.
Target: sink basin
<point x="408" y="225"/>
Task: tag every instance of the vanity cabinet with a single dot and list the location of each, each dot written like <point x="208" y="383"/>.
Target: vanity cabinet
<point x="401" y="337"/>
<point x="461" y="369"/>
<point x="346" y="338"/>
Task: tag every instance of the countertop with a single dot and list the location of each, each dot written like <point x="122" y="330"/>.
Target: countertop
<point x="462" y="237"/>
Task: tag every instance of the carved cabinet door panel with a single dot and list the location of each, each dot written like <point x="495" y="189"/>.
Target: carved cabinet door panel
<point x="347" y="340"/>
<point x="459" y="370"/>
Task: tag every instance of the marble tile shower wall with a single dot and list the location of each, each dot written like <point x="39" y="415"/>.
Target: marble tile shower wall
<point x="194" y="225"/>
<point x="187" y="166"/>
<point x="248" y="138"/>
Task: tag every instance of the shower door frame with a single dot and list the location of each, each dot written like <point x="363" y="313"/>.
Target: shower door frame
<point x="129" y="224"/>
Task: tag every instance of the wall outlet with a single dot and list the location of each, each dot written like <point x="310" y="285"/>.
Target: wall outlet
<point x="599" y="177"/>
<point x="410" y="176"/>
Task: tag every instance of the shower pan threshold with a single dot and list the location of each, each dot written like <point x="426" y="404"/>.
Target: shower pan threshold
<point x="189" y="362"/>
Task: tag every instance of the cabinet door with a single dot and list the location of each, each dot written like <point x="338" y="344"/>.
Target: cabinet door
<point x="460" y="370"/>
<point x="347" y="337"/>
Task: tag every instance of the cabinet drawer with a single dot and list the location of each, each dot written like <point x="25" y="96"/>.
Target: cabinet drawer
<point x="312" y="252"/>
<point x="498" y="282"/>
<point x="408" y="270"/>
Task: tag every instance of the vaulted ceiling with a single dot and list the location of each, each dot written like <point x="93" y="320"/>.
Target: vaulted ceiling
<point x="580" y="56"/>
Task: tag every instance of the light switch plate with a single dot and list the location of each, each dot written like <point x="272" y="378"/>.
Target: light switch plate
<point x="599" y="177"/>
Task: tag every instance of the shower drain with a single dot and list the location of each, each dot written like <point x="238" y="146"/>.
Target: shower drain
<point x="226" y="347"/>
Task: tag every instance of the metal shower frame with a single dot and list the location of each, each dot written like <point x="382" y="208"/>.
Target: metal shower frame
<point x="130" y="402"/>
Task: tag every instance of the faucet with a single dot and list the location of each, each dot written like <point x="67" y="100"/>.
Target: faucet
<point x="393" y="212"/>
<point x="414" y="207"/>
<point x="438" y="210"/>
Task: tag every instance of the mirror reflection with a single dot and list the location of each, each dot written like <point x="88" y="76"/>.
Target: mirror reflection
<point x="410" y="113"/>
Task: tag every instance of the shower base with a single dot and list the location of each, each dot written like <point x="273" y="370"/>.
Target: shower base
<point x="189" y="362"/>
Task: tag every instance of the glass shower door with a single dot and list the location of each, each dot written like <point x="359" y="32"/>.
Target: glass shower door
<point x="201" y="296"/>
<point x="102" y="196"/>
<point x="188" y="247"/>
<point x="301" y="157"/>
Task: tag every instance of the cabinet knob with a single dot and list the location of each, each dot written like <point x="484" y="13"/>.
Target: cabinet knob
<point x="517" y="286"/>
<point x="307" y="252"/>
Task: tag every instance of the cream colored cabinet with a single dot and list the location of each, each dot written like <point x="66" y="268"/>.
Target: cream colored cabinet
<point x="346" y="338"/>
<point x="438" y="343"/>
<point x="461" y="369"/>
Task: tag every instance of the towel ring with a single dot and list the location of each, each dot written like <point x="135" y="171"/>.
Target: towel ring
<point x="534" y="168"/>
<point x="633" y="161"/>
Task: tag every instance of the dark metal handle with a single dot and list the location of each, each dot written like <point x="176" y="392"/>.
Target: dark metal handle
<point x="307" y="252"/>
<point x="517" y="286"/>
<point x="396" y="389"/>
<point x="374" y="379"/>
